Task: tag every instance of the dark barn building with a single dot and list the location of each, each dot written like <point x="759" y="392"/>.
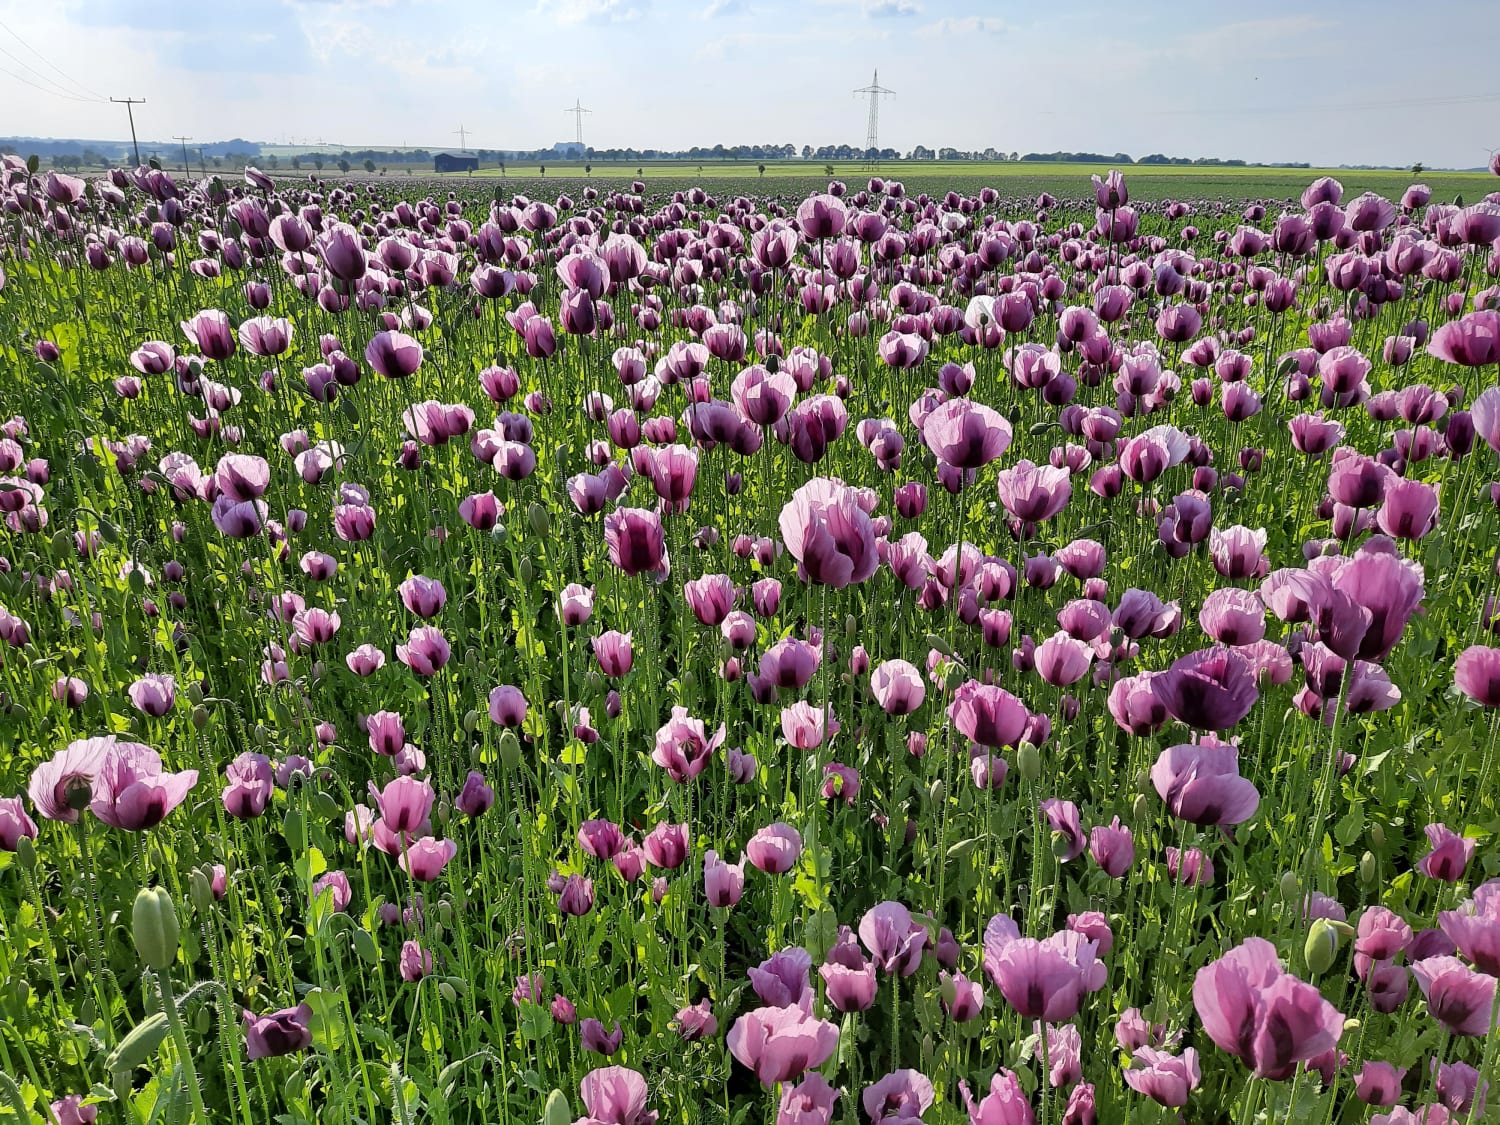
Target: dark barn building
<point x="447" y="162"/>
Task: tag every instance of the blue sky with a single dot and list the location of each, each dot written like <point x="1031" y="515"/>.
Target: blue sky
<point x="1341" y="82"/>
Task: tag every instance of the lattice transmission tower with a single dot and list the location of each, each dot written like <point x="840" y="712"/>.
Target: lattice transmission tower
<point x="874" y="91"/>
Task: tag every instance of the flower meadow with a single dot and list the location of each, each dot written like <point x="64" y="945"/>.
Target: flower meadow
<point x="652" y="657"/>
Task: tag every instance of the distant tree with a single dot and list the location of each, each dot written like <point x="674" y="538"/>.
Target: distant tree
<point x="588" y="169"/>
<point x="296" y="163"/>
<point x="761" y="168"/>
<point x="273" y="161"/>
<point x="807" y="152"/>
<point x="640" y="172"/>
<point x="343" y="166"/>
<point x="1416" y="169"/>
<point x="369" y="165"/>
<point x="544" y="169"/>
<point x="318" y="163"/>
<point x="828" y="169"/>
<point x="502" y="167"/>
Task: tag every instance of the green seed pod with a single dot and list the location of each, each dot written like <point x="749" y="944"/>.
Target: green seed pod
<point x="1291" y="888"/>
<point x="203" y="1020"/>
<point x="1029" y="761"/>
<point x="194" y="692"/>
<point x="1368" y="868"/>
<point x="538" y="518"/>
<point x="1322" y="946"/>
<point x="1377" y="835"/>
<point x="557" y="1111"/>
<point x="526" y="572"/>
<point x="153" y="924"/>
<point x="471" y="721"/>
<point x="200" y="717"/>
<point x="365" y="947"/>
<point x="1140" y="808"/>
<point x="26" y="853"/>
<point x="200" y="890"/>
<point x="261" y="735"/>
<point x="62" y="545"/>
<point x="510" y="749"/>
<point x="1143" y="783"/>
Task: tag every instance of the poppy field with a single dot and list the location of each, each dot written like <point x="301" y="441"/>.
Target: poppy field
<point x="737" y="655"/>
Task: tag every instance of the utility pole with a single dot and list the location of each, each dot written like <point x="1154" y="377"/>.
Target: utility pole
<point x="184" y="141"/>
<point x="462" y="142"/>
<point x="129" y="112"/>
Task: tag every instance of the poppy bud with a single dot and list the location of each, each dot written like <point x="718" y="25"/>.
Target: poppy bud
<point x="153" y="923"/>
<point x="526" y="571"/>
<point x="194" y="692"/>
<point x="365" y="947"/>
<point x="62" y="545"/>
<point x="200" y="891"/>
<point x="203" y="1020"/>
<point x="1367" y="869"/>
<point x="1061" y="845"/>
<point x="1291" y="889"/>
<point x="26" y="853"/>
<point x="1377" y="835"/>
<point x="200" y="718"/>
<point x="136" y="1048"/>
<point x="1140" y="808"/>
<point x="537" y="517"/>
<point x="557" y="1111"/>
<point x="1143" y="782"/>
<point x="851" y="626"/>
<point x="510" y="750"/>
<point x="446" y="991"/>
<point x="1322" y="946"/>
<point x="937" y="793"/>
<point x="471" y="721"/>
<point x="1029" y="761"/>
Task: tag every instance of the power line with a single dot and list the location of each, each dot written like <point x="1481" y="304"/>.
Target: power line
<point x="21" y="78"/>
<point x="37" y="54"/>
<point x="57" y="87"/>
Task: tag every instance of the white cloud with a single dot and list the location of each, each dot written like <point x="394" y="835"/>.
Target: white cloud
<point x="887" y="9"/>
<point x="723" y="8"/>
<point x="964" y="25"/>
<point x="597" y="11"/>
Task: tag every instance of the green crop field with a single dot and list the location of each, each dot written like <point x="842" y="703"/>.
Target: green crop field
<point x="1009" y="178"/>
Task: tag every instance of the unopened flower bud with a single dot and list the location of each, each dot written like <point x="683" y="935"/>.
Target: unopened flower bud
<point x="1029" y="761"/>
<point x="1322" y="946"/>
<point x="153" y="923"/>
